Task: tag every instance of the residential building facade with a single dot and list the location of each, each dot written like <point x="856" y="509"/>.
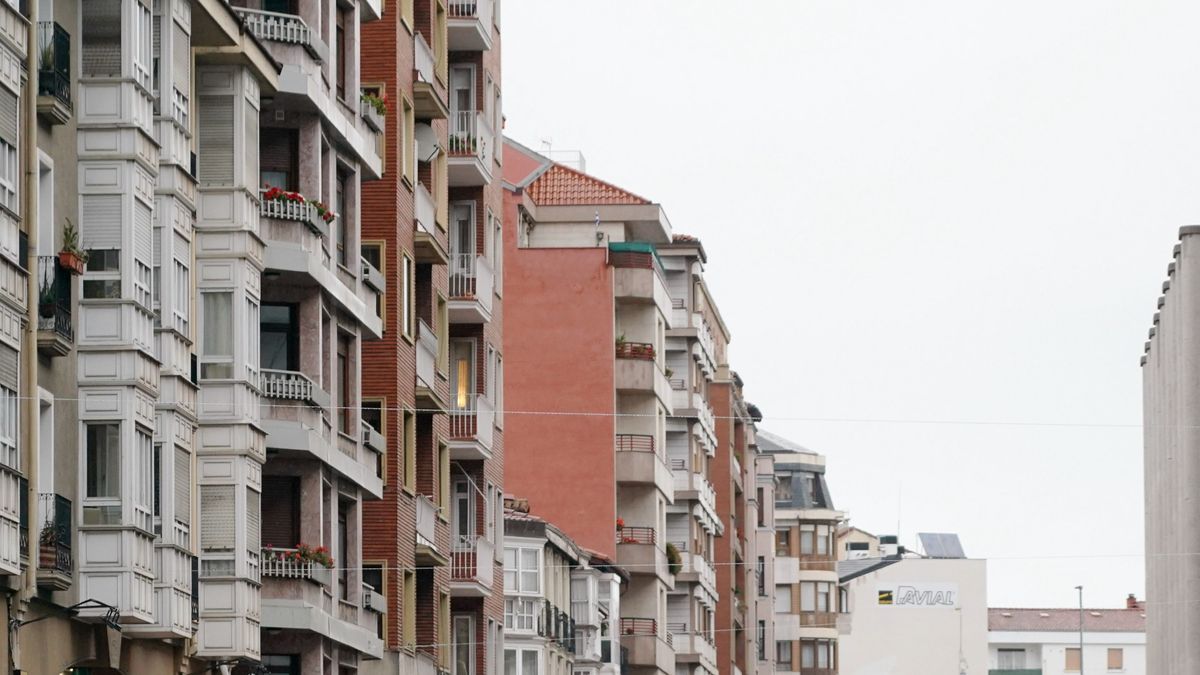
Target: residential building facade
<point x="434" y="389"/>
<point x="192" y="436"/>
<point x="1034" y="641"/>
<point x="561" y="606"/>
<point x="595" y="462"/>
<point x="805" y="592"/>
<point x="911" y="614"/>
<point x="1171" y="467"/>
<point x="765" y="627"/>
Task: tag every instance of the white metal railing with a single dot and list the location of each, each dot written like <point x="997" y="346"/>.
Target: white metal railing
<point x="737" y="467"/>
<point x="292" y="386"/>
<point x="277" y="563"/>
<point x="472" y="9"/>
<point x="472" y="560"/>
<point x="474" y="420"/>
<point x="426" y="518"/>
<point x="708" y="493"/>
<point x="423" y="61"/>
<point x="287" y="209"/>
<point x="427" y="352"/>
<point x="471" y="134"/>
<point x="471" y="276"/>
<point x="425" y="210"/>
<point x="279" y="27"/>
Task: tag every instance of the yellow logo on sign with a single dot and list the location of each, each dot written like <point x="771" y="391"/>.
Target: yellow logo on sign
<point x="885" y="597"/>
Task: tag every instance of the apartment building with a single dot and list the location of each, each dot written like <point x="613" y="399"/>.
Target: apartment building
<point x="1171" y="468"/>
<point x="912" y="612"/>
<point x="805" y="592"/>
<point x="733" y="475"/>
<point x="200" y="462"/>
<point x="561" y="606"/>
<point x="434" y="388"/>
<point x="694" y="522"/>
<point x="1036" y="641"/>
<point x="764" y="565"/>
<point x="594" y="462"/>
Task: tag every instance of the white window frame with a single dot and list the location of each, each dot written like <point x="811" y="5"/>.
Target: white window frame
<point x="10" y="428"/>
<point x="462" y="498"/>
<point x="9" y="176"/>
<point x="217" y="359"/>
<point x="521" y="614"/>
<point x="470" y="621"/>
<point x="519" y="657"/>
<point x="180" y="308"/>
<point x="518" y="569"/>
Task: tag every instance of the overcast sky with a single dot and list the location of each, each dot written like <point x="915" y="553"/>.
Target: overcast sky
<point x="917" y="211"/>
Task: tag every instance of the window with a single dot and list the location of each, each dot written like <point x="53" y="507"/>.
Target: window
<point x="143" y="472"/>
<point x="279" y="337"/>
<point x="343" y="222"/>
<point x="444" y="626"/>
<point x="815" y="596"/>
<point x="783" y="542"/>
<point x="1116" y="658"/>
<point x="183" y="292"/>
<point x="410" y="451"/>
<point x="372" y="414"/>
<point x="251" y="342"/>
<point x="783" y="490"/>
<point x="522" y="661"/>
<point x="520" y="614"/>
<point x="498" y="248"/>
<point x="105" y="283"/>
<point x="103" y="460"/>
<point x="816" y="654"/>
<point x="806" y="539"/>
<point x="783" y="653"/>
<point x="10" y="425"/>
<point x="142" y="44"/>
<point x="1010" y="659"/>
<point x="810" y="488"/>
<point x="762" y="508"/>
<point x="408" y="626"/>
<point x="464" y="644"/>
<point x="278" y="158"/>
<point x="346" y="382"/>
<point x="216" y="342"/>
<point x="407" y="150"/>
<point x="522" y="573"/>
<point x="407" y="294"/>
<point x="499" y="391"/>
<point x="783" y="599"/>
<point x="1072" y="664"/>
<point x="464" y="514"/>
<point x="9" y="175"/>
<point x="761" y="640"/>
<point x="343" y="73"/>
<point x="281" y="664"/>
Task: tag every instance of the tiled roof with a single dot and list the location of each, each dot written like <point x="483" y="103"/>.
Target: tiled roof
<point x="1098" y="620"/>
<point x="853" y="569"/>
<point x="563" y="186"/>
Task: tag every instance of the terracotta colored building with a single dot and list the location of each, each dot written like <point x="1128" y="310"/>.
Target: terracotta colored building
<point x="433" y="544"/>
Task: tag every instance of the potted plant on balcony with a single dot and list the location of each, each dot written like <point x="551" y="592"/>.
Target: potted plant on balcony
<point x="71" y="256"/>
<point x="48" y="547"/>
<point x="323" y="211"/>
<point x="375" y="109"/>
<point x="674" y="560"/>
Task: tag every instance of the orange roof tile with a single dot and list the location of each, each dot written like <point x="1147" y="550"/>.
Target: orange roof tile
<point x="563" y="186"/>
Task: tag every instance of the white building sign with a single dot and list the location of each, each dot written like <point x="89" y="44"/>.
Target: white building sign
<point x="920" y="595"/>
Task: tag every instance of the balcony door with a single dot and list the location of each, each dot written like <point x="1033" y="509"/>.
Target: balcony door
<point x="280" y="511"/>
<point x="280" y="6"/>
<point x="279" y="336"/>
<point x="464" y="644"/>
<point x="279" y="153"/>
<point x="462" y="90"/>
<point x="462" y="372"/>
<point x="462" y="247"/>
<point x="464" y="513"/>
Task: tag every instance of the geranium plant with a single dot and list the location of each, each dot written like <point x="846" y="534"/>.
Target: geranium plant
<point x="323" y="210"/>
<point x="377" y="101"/>
<point x="301" y="554"/>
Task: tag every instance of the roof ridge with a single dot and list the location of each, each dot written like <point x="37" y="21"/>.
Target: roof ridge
<point x="560" y="185"/>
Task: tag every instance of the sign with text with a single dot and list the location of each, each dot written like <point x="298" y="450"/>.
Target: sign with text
<point x="921" y="595"/>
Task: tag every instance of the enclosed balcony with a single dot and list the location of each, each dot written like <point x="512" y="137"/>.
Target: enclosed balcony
<point x="471" y="567"/>
<point x="427" y="550"/>
<point x="470" y="147"/>
<point x="54" y="73"/>
<point x="56" y="329"/>
<point x="472" y="424"/>
<point x="427" y="104"/>
<point x="470" y="25"/>
<point x="55" y="562"/>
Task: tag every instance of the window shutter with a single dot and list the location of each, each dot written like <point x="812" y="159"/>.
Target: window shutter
<point x="280" y="527"/>
<point x="181" y="59"/>
<point x="8" y="367"/>
<point x="143" y="233"/>
<point x="215" y="140"/>
<point x="101" y="38"/>
<point x="253" y="520"/>
<point x="9" y="116"/>
<point x="252" y="143"/>
<point x="183" y="486"/>
<point x="100" y="217"/>
<point x="216" y="517"/>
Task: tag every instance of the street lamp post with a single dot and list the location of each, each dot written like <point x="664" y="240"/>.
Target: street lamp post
<point x="1080" y="589"/>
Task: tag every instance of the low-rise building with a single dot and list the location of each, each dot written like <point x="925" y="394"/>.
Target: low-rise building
<point x="1032" y="641"/>
<point x="913" y="614"/>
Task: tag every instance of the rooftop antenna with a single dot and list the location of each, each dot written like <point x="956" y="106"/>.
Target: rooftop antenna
<point x="549" y="143"/>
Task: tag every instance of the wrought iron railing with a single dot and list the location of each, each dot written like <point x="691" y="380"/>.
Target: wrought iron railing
<point x="637" y="535"/>
<point x="54" y="539"/>
<point x="54" y="61"/>
<point x="54" y="297"/>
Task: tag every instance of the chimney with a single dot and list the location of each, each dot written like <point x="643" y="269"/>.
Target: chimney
<point x="1133" y="603"/>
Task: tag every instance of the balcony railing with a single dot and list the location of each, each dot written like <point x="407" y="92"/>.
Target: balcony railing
<point x="636" y="535"/>
<point x="426" y="526"/>
<point x="634" y="626"/>
<point x="471" y="276"/>
<point x="54" y="298"/>
<point x="639" y="443"/>
<point x="290" y="385"/>
<point x="635" y="350"/>
<point x="472" y="560"/>
<point x="54" y="62"/>
<point x="470" y="134"/>
<point x="427" y="352"/>
<point x="287" y="28"/>
<point x="54" y="538"/>
<point x="287" y="209"/>
<point x="279" y="563"/>
<point x="474" y="419"/>
<point x="423" y="61"/>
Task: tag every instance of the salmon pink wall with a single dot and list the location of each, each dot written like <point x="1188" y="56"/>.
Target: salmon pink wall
<point x="558" y="358"/>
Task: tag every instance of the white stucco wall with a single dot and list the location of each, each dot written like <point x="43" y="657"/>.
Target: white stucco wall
<point x="895" y="640"/>
<point x="1047" y="650"/>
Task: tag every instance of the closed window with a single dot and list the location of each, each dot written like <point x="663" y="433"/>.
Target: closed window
<point x="279" y="337"/>
<point x="783" y="542"/>
<point x="1116" y="658"/>
<point x="520" y="614"/>
<point x="216" y="343"/>
<point x="103" y="460"/>
<point x="521" y="661"/>
<point x="1072" y="660"/>
<point x="783" y="653"/>
<point x="9" y="428"/>
<point x="1010" y="659"/>
<point x="783" y="599"/>
<point x="522" y="573"/>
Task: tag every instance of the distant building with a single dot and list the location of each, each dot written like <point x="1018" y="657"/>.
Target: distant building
<point x="1046" y="641"/>
<point x="910" y="614"/>
<point x="854" y="543"/>
<point x="805" y="572"/>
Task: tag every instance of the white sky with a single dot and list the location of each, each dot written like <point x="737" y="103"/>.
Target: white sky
<point x="934" y="210"/>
